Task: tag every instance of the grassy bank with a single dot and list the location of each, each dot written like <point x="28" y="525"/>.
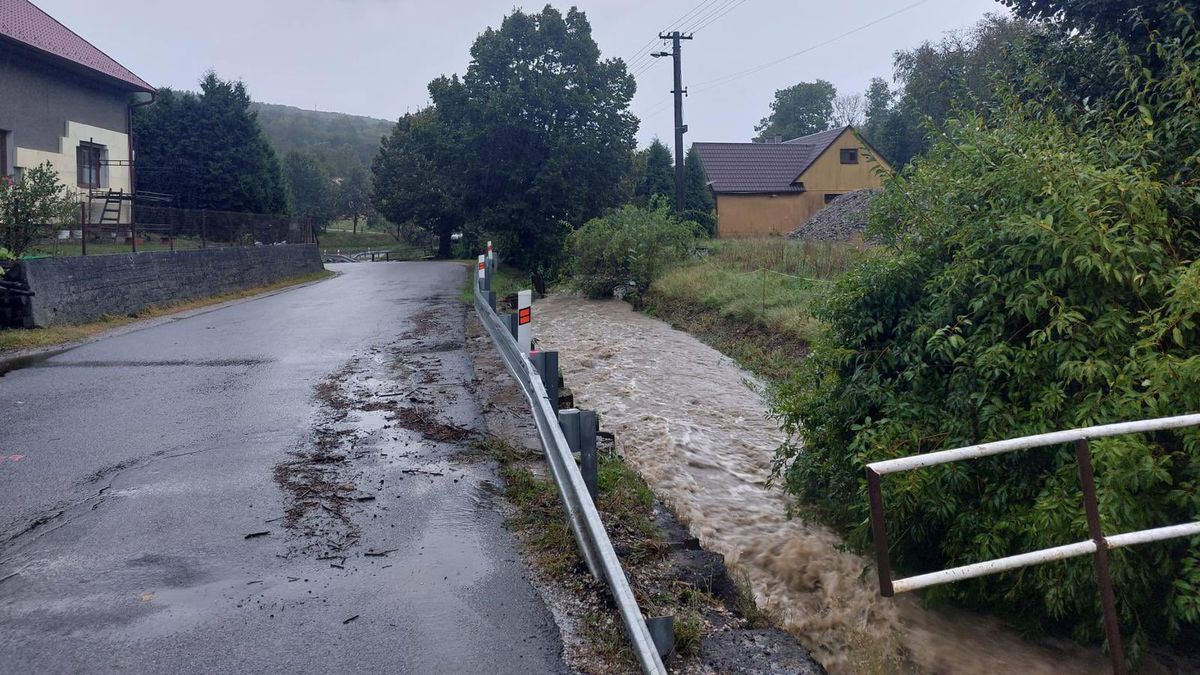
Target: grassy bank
<point x="752" y="299"/>
<point x="344" y="241"/>
<point x="15" y="340"/>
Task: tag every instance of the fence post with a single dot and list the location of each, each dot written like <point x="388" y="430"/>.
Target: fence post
<point x="1108" y="602"/>
<point x="83" y="229"/>
<point x="203" y="230"/>
<point x="132" y="228"/>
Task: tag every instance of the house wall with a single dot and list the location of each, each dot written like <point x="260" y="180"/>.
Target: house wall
<point x="50" y="111"/>
<point x="759" y="215"/>
<point x="764" y="215"/>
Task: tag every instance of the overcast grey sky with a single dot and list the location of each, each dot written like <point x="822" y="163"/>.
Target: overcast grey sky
<point x="374" y="57"/>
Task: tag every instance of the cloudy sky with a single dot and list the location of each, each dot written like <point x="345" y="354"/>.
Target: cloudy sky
<point x="374" y="57"/>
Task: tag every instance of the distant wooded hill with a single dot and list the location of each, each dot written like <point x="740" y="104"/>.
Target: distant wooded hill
<point x="342" y="141"/>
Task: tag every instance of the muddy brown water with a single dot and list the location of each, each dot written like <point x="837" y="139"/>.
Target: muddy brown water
<point x="689" y="420"/>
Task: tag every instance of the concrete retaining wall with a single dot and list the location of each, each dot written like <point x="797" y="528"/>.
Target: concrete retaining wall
<point x="86" y="288"/>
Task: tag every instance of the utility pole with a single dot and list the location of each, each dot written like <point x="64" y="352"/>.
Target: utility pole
<point x="680" y="127"/>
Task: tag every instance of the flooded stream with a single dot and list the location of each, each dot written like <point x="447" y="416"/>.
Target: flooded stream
<point x="686" y="418"/>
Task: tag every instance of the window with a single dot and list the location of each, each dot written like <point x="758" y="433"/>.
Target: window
<point x="849" y="155"/>
<point x="90" y="161"/>
<point x="830" y="196"/>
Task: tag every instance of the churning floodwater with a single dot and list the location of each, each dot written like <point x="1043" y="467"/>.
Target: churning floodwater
<point x="689" y="420"/>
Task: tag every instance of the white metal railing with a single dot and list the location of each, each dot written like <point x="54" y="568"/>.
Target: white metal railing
<point x="1098" y="544"/>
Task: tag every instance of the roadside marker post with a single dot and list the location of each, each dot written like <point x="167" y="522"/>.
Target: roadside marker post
<point x="525" y="322"/>
<point x="482" y="275"/>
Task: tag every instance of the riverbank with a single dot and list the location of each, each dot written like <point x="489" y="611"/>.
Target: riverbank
<point x="753" y="300"/>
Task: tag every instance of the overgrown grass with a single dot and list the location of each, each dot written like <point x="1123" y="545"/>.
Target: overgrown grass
<point x="13" y="340"/>
<point x="505" y="281"/>
<point x="752" y="299"/>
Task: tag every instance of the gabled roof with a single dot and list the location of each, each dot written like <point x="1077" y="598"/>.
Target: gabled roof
<point x="22" y="22"/>
<point x="763" y="167"/>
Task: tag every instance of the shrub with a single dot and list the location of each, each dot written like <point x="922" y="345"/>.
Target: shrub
<point x="1041" y="275"/>
<point x="33" y="207"/>
<point x="628" y="248"/>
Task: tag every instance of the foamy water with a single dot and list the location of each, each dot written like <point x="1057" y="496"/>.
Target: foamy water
<point x="687" y="421"/>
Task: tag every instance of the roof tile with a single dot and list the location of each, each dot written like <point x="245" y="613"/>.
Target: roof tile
<point x="22" y="21"/>
<point x="762" y="167"/>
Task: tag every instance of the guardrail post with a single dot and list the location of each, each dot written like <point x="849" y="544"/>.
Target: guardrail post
<point x="550" y="378"/>
<point x="491" y="299"/>
<point x="589" y="464"/>
<point x="662" y="631"/>
<point x="512" y="324"/>
<point x="524" y="321"/>
<point x="1108" y="601"/>
<point x="568" y="421"/>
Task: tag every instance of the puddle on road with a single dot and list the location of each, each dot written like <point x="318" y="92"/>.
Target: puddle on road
<point x="687" y="421"/>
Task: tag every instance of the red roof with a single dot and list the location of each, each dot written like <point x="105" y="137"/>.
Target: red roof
<point x="763" y="167"/>
<point x="23" y="22"/>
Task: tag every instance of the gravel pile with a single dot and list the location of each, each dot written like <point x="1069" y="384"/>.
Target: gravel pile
<point x="844" y="219"/>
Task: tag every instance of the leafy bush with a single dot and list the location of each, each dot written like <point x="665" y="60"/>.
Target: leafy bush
<point x="1041" y="274"/>
<point x="33" y="207"/>
<point x="628" y="248"/>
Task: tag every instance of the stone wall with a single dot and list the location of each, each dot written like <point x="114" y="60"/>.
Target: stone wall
<point x="85" y="288"/>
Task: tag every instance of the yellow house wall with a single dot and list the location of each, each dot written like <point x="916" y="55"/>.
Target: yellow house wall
<point x="116" y="144"/>
<point x="764" y="215"/>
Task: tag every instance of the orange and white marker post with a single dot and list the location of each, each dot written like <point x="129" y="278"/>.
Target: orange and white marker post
<point x="525" y="321"/>
<point x="491" y="258"/>
<point x="481" y="274"/>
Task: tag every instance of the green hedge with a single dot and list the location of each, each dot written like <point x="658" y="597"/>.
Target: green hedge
<point x="1041" y="274"/>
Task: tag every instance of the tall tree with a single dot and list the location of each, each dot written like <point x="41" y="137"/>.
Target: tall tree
<point x="546" y="129"/>
<point x="697" y="197"/>
<point x="414" y="176"/>
<point x="207" y="150"/>
<point x="848" y="110"/>
<point x="354" y="195"/>
<point x="802" y="109"/>
<point x="311" y="188"/>
<point x="659" y="176"/>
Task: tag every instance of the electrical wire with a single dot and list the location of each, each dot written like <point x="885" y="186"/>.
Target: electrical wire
<point x="643" y="52"/>
<point x="732" y="77"/>
<point x="714" y="15"/>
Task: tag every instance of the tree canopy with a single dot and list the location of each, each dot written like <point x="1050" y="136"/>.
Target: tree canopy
<point x="802" y="109"/>
<point x="310" y="187"/>
<point x="207" y="150"/>
<point x="658" y="177"/>
<point x="415" y="176"/>
<point x="543" y="137"/>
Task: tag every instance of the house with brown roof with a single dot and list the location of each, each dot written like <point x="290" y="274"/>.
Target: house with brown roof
<point x="64" y="101"/>
<point x="768" y="189"/>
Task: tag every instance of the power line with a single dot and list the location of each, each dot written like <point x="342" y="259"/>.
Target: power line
<point x="718" y="17"/>
<point x="726" y="79"/>
<point x="643" y="52"/>
<point x="713" y="11"/>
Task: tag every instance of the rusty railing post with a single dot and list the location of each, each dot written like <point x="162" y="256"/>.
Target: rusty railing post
<point x="83" y="206"/>
<point x="1108" y="602"/>
<point x="883" y="559"/>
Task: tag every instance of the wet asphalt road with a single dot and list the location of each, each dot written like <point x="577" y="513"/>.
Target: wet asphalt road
<point x="134" y="467"/>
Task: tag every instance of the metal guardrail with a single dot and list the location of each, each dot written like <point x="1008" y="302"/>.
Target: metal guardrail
<point x="589" y="531"/>
<point x="1098" y="544"/>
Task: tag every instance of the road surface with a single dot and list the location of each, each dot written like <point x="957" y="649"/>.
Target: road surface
<point x="284" y="484"/>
